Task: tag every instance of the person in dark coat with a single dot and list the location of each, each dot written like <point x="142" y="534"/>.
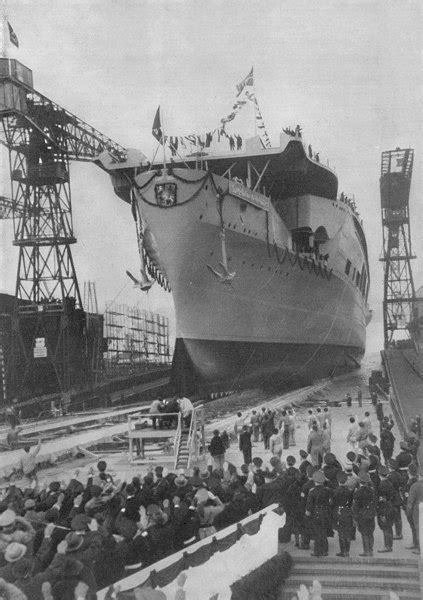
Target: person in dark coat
<point x="161" y="536"/>
<point x="267" y="427"/>
<point x="331" y="469"/>
<point x="318" y="511"/>
<point x="387" y="443"/>
<point x="373" y="471"/>
<point x="395" y="478"/>
<point x="304" y="464"/>
<point x="305" y="490"/>
<point x="342" y="514"/>
<point x="217" y="449"/>
<point x="294" y="505"/>
<point x="245" y="444"/>
<point x="412" y="478"/>
<point x="364" y="512"/>
<point x="384" y="509"/>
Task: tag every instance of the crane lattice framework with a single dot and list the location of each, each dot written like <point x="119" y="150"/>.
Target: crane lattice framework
<point x="399" y="293"/>
<point x="42" y="137"/>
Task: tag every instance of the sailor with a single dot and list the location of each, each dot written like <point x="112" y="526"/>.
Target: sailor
<point x="385" y="509"/>
<point x="318" y="511"/>
<point x="364" y="512"/>
<point x="342" y="513"/>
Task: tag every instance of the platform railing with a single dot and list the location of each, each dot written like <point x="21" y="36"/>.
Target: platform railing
<point x="149" y="573"/>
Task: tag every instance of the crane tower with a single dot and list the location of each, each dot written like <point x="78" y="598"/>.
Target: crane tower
<point x="48" y="325"/>
<point x="399" y="293"/>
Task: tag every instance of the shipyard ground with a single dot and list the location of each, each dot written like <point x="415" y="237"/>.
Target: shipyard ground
<point x="367" y="578"/>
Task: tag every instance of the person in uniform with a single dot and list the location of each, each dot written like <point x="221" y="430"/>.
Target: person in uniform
<point x="412" y="478"/>
<point x="395" y="478"/>
<point x="384" y="508"/>
<point x="318" y="511"/>
<point x="342" y="514"/>
<point x="364" y="512"/>
<point x="373" y="471"/>
<point x="255" y="426"/>
<point x="305" y="490"/>
<point x="404" y="459"/>
<point x="315" y="445"/>
<point x="415" y="496"/>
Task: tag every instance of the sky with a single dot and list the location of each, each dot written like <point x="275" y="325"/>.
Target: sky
<point x="349" y="72"/>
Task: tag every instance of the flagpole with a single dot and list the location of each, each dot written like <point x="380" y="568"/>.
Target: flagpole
<point x="3" y="32"/>
<point x="163" y="141"/>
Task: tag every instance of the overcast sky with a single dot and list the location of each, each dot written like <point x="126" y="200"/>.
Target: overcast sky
<point x="350" y="72"/>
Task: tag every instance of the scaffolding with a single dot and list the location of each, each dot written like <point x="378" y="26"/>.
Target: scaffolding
<point x="136" y="339"/>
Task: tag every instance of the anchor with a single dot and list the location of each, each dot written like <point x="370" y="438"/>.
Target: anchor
<point x="225" y="276"/>
<point x="144" y="284"/>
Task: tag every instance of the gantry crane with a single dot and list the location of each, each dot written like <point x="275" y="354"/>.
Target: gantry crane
<point x="48" y="326"/>
<point x="399" y="293"/>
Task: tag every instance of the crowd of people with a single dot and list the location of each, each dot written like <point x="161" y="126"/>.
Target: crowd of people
<point x="66" y="540"/>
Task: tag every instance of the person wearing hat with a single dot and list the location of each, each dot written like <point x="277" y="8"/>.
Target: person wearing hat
<point x="415" y="497"/>
<point x="404" y="458"/>
<point x="412" y="478"/>
<point x="342" y="513"/>
<point x="318" y="511"/>
<point x="384" y="509"/>
<point x="330" y="469"/>
<point x="302" y="467"/>
<point x="352" y="478"/>
<point x="217" y="449"/>
<point x="13" y="554"/>
<point x="373" y="471"/>
<point x="395" y="478"/>
<point x="14" y="528"/>
<point x="387" y="443"/>
<point x="245" y="444"/>
<point x="315" y="445"/>
<point x="372" y="447"/>
<point x="305" y="490"/>
<point x="364" y="512"/>
<point x="161" y="486"/>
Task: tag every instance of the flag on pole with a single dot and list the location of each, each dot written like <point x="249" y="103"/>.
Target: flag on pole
<point x="249" y="80"/>
<point x="12" y="36"/>
<point x="157" y="127"/>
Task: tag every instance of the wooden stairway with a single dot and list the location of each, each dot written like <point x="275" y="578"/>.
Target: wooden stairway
<point x="355" y="578"/>
<point x="182" y="451"/>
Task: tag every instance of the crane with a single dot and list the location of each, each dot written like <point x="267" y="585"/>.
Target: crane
<point x="48" y="335"/>
<point x="399" y="292"/>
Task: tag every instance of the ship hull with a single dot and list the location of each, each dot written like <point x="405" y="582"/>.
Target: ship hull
<point x="283" y="317"/>
<point x="232" y="365"/>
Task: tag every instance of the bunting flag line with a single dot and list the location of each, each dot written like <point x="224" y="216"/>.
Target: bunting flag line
<point x="247" y="81"/>
<point x="204" y="140"/>
<point x="12" y="36"/>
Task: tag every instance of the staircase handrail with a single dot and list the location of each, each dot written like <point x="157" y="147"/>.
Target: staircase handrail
<point x="177" y="441"/>
<point x="191" y="434"/>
